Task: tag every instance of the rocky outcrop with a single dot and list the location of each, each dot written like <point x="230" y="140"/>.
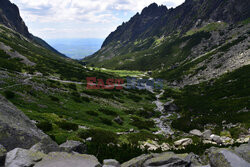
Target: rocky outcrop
<point x="10" y="17"/>
<point x="16" y="129"/>
<point x="74" y="146"/>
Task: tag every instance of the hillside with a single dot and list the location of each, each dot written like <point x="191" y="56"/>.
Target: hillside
<point x="48" y="116"/>
<point x="196" y="41"/>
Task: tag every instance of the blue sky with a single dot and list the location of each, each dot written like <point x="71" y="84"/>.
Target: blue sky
<point x="53" y="19"/>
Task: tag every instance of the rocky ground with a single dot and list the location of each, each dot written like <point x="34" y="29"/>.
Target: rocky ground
<point x="24" y="145"/>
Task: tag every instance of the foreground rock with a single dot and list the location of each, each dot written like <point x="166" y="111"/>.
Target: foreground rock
<point x="74" y="146"/>
<point x="23" y="158"/>
<point x="17" y="131"/>
<point x="213" y="157"/>
<point x="3" y="152"/>
<point x="226" y="158"/>
<point x="61" y="159"/>
<point x="46" y="146"/>
<point x="168" y="159"/>
<point x="111" y="163"/>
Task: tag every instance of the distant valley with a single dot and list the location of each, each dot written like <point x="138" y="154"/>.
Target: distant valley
<point x="76" y="48"/>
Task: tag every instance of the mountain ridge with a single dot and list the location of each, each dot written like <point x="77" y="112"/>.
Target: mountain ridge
<point x="10" y="17"/>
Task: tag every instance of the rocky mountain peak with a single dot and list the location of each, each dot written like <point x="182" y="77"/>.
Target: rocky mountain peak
<point x="10" y="17"/>
<point x="154" y="9"/>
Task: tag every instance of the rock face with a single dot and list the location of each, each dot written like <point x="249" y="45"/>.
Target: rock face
<point x="17" y="131"/>
<point x="66" y="160"/>
<point x="74" y="146"/>
<point x="10" y="17"/>
<point x="3" y="152"/>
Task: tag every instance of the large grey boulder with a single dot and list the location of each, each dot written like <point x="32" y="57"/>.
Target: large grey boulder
<point x="111" y="163"/>
<point x="138" y="161"/>
<point x="168" y="159"/>
<point x="74" y="146"/>
<point x="46" y="146"/>
<point x="226" y="158"/>
<point x="62" y="159"/>
<point x="16" y="129"/>
<point x="23" y="158"/>
<point x="243" y="151"/>
<point x="3" y="152"/>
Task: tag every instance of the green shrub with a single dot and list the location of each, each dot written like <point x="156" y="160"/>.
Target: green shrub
<point x="107" y="111"/>
<point x="142" y="124"/>
<point x="45" y="126"/>
<point x="99" y="135"/>
<point x="85" y="99"/>
<point x="93" y="113"/>
<point x="67" y="125"/>
<point x="53" y="98"/>
<point x="9" y="94"/>
<point x="106" y="121"/>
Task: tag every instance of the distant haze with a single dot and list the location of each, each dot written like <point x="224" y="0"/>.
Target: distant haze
<point x="76" y="48"/>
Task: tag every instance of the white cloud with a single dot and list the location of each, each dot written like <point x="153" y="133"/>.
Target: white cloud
<point x="87" y="17"/>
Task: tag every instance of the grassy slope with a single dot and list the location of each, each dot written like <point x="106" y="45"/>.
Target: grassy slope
<point x="214" y="101"/>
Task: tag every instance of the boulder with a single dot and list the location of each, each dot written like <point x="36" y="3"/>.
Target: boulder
<point x="206" y="134"/>
<point x="74" y="146"/>
<point x="22" y="158"/>
<point x="167" y="159"/>
<point x="183" y="142"/>
<point x="46" y="146"/>
<point x="3" y="152"/>
<point x="111" y="163"/>
<point x="226" y="158"/>
<point x="17" y="130"/>
<point x="243" y="151"/>
<point x="216" y="139"/>
<point x="138" y="161"/>
<point x="62" y="159"/>
<point x="170" y="106"/>
<point x="118" y="120"/>
<point x="196" y="132"/>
